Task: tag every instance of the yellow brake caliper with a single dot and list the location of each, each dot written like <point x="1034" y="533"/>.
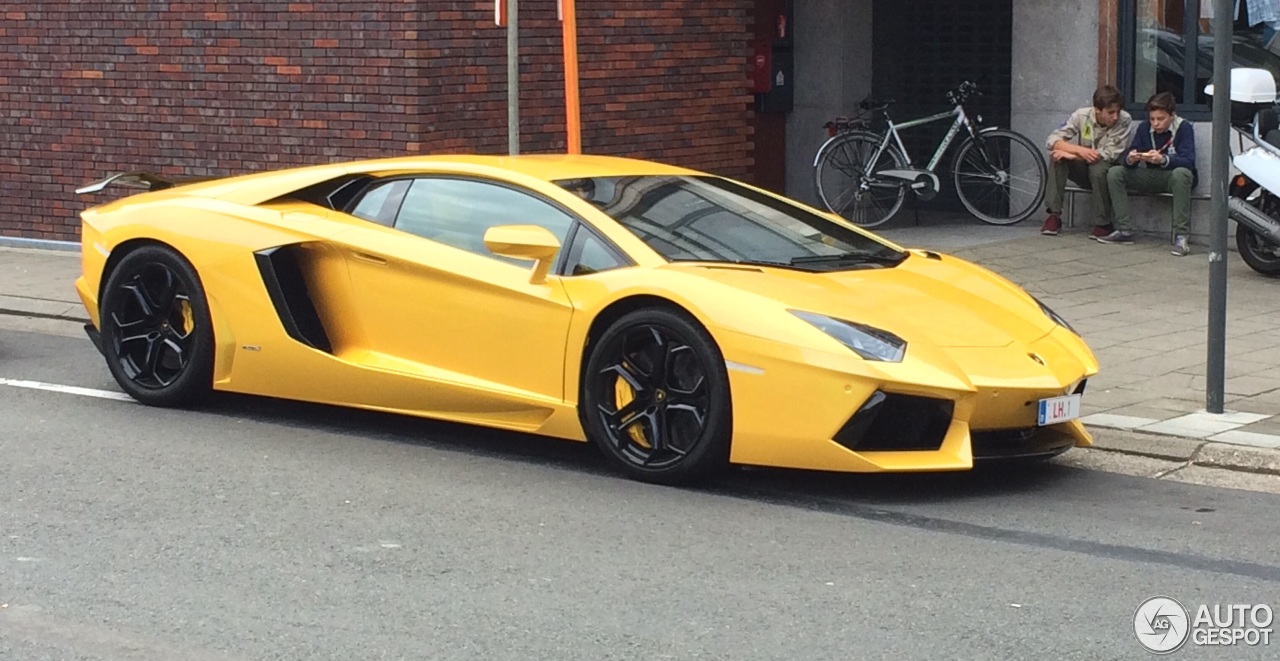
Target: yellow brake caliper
<point x="188" y="317"/>
<point x="624" y="394"/>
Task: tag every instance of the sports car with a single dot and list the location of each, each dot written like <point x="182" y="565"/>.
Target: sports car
<point x="680" y="321"/>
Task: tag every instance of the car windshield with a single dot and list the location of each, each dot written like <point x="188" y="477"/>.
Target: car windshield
<point x="711" y="219"/>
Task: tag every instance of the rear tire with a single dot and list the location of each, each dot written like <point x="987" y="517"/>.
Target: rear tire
<point x="156" y="333"/>
<point x="847" y="184"/>
<point x="656" y="398"/>
<point x="1261" y="255"/>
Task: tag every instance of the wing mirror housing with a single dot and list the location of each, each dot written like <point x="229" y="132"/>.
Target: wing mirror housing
<point x="525" y="242"/>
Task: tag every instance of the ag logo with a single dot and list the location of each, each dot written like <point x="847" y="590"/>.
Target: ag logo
<point x="1161" y="624"/>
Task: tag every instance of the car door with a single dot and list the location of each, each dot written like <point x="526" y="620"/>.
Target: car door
<point x="433" y="300"/>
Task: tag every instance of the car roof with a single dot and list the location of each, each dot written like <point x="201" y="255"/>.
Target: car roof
<point x="258" y="187"/>
<point x="548" y="167"/>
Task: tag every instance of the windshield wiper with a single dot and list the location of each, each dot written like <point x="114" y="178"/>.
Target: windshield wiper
<point x="858" y="257"/>
<point x="755" y="262"/>
<point x="739" y="262"/>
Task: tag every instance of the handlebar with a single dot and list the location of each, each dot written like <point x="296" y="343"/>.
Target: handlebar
<point x="962" y="93"/>
<point x="869" y="107"/>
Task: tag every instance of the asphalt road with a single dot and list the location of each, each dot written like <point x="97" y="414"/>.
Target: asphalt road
<point x="260" y="529"/>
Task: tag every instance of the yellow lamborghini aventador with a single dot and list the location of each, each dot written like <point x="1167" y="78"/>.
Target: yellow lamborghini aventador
<point x="680" y="321"/>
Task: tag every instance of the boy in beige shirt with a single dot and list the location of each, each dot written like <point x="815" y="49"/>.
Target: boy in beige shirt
<point x="1082" y="150"/>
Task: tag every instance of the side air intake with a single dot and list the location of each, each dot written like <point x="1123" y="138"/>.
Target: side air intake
<point x="288" y="290"/>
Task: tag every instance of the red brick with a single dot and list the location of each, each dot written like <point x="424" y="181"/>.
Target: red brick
<point x="663" y="80"/>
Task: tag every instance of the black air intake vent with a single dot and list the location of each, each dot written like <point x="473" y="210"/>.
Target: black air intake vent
<point x="897" y="422"/>
<point x="288" y="289"/>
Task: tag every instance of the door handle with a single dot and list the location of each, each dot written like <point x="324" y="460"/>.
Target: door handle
<point x="366" y="257"/>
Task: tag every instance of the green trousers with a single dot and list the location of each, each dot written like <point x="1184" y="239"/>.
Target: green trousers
<point x="1084" y="175"/>
<point x="1177" y="182"/>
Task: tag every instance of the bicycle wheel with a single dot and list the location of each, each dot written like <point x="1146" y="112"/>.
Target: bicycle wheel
<point x="1000" y="177"/>
<point x="847" y="184"/>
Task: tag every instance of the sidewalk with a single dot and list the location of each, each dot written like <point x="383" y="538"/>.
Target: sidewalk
<point x="1142" y="310"/>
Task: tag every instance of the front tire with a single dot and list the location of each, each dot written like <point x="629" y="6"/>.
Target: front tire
<point x="1000" y="177"/>
<point x="156" y="334"/>
<point x="656" y="398"/>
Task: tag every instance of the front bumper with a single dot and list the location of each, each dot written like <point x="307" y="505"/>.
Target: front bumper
<point x="943" y="410"/>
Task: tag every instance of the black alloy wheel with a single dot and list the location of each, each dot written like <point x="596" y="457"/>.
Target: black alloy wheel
<point x="156" y="333"/>
<point x="657" y="398"/>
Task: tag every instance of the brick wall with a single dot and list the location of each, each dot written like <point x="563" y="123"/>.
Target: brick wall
<point x="220" y="88"/>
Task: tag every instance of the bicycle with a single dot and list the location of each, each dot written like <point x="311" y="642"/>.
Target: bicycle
<point x="863" y="175"/>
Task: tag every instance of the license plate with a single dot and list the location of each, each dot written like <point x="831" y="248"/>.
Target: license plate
<point x="1059" y="409"/>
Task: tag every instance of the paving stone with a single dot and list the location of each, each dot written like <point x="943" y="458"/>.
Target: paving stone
<point x="1192" y="425"/>
<point x="1269" y="426"/>
<point x="1240" y="437"/>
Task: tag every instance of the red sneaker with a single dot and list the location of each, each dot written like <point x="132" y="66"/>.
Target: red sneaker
<point x="1100" y="231"/>
<point x="1052" y="225"/>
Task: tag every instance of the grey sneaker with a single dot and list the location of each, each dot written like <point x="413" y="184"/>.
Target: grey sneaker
<point x="1117" y="236"/>
<point x="1181" y="247"/>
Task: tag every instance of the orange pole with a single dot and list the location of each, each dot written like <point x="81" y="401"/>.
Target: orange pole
<point x="573" y="124"/>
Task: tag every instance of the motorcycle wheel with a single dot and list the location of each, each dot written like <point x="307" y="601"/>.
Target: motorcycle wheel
<point x="1260" y="254"/>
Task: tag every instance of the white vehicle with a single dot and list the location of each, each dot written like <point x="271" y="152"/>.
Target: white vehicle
<point x="1254" y="201"/>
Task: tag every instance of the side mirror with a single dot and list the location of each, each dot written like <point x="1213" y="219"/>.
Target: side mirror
<point x="524" y="242"/>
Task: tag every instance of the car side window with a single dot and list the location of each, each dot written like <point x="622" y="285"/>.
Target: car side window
<point x="589" y="254"/>
<point x="457" y="212"/>
<point x="381" y="202"/>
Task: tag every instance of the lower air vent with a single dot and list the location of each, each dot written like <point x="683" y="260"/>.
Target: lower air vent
<point x="897" y="422"/>
<point x="1013" y="443"/>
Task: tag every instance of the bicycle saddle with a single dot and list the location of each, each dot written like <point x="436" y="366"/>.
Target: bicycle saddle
<point x="874" y="104"/>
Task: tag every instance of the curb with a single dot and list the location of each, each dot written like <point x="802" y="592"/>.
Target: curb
<point x="39" y="244"/>
<point x="1189" y="451"/>
<point x="32" y="314"/>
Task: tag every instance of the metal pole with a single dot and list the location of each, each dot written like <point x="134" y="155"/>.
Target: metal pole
<point x="1215" y="374"/>
<point x="513" y="78"/>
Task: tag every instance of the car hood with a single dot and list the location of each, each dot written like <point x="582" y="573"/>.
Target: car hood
<point x="940" y="299"/>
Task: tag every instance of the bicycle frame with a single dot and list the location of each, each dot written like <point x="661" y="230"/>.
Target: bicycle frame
<point x="961" y="121"/>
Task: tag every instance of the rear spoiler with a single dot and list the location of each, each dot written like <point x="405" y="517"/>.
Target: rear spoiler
<point x="138" y="179"/>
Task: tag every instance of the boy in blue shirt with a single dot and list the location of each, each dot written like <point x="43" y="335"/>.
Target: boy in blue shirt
<point x="1162" y="159"/>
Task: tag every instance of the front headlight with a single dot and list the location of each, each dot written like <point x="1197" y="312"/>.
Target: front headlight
<point x="870" y="343"/>
<point x="1057" y="319"/>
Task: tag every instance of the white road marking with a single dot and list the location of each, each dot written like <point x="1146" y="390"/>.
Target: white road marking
<point x="70" y="390"/>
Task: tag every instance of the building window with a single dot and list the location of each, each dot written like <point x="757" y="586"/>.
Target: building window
<point x="1167" y="46"/>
